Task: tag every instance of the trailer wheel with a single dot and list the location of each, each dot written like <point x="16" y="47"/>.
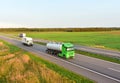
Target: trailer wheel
<point x="46" y="51"/>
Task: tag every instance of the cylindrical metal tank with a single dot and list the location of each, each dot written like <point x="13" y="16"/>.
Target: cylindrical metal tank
<point x="54" y="46"/>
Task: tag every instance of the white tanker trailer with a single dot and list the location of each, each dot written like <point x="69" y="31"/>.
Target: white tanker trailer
<point x="61" y="49"/>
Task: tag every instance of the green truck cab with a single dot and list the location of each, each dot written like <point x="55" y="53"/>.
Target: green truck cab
<point x="67" y="50"/>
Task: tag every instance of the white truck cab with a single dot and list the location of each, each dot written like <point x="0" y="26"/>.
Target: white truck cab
<point x="27" y="41"/>
<point x="22" y="35"/>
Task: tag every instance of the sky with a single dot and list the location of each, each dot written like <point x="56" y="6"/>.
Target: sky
<point x="59" y="13"/>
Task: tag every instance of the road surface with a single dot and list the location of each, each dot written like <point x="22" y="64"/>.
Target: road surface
<point x="105" y="52"/>
<point x="95" y="69"/>
<point x="90" y="49"/>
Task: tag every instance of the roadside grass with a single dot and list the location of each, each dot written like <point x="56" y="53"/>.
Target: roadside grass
<point x="21" y="66"/>
<point x="41" y="43"/>
<point x="99" y="56"/>
<point x="94" y="55"/>
<point x="77" y="78"/>
<point x="108" y="39"/>
<point x="103" y="39"/>
<point x="12" y="48"/>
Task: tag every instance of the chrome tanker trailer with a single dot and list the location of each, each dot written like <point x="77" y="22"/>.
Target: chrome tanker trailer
<point x="61" y="49"/>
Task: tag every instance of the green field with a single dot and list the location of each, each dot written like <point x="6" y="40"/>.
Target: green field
<point x="105" y="40"/>
<point x="108" y="39"/>
<point x="19" y="66"/>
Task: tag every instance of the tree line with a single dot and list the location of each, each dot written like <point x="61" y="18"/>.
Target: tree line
<point x="57" y="29"/>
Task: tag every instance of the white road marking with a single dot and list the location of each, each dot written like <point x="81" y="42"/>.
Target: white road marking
<point x="76" y="53"/>
<point x="114" y="69"/>
<point x="85" y="68"/>
<point x="92" y="71"/>
<point x="78" y="66"/>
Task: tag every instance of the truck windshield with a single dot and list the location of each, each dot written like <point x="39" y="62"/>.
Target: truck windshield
<point x="69" y="49"/>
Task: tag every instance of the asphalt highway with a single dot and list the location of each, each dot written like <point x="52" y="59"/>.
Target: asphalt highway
<point x="95" y="69"/>
<point x="106" y="52"/>
<point x="99" y="51"/>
